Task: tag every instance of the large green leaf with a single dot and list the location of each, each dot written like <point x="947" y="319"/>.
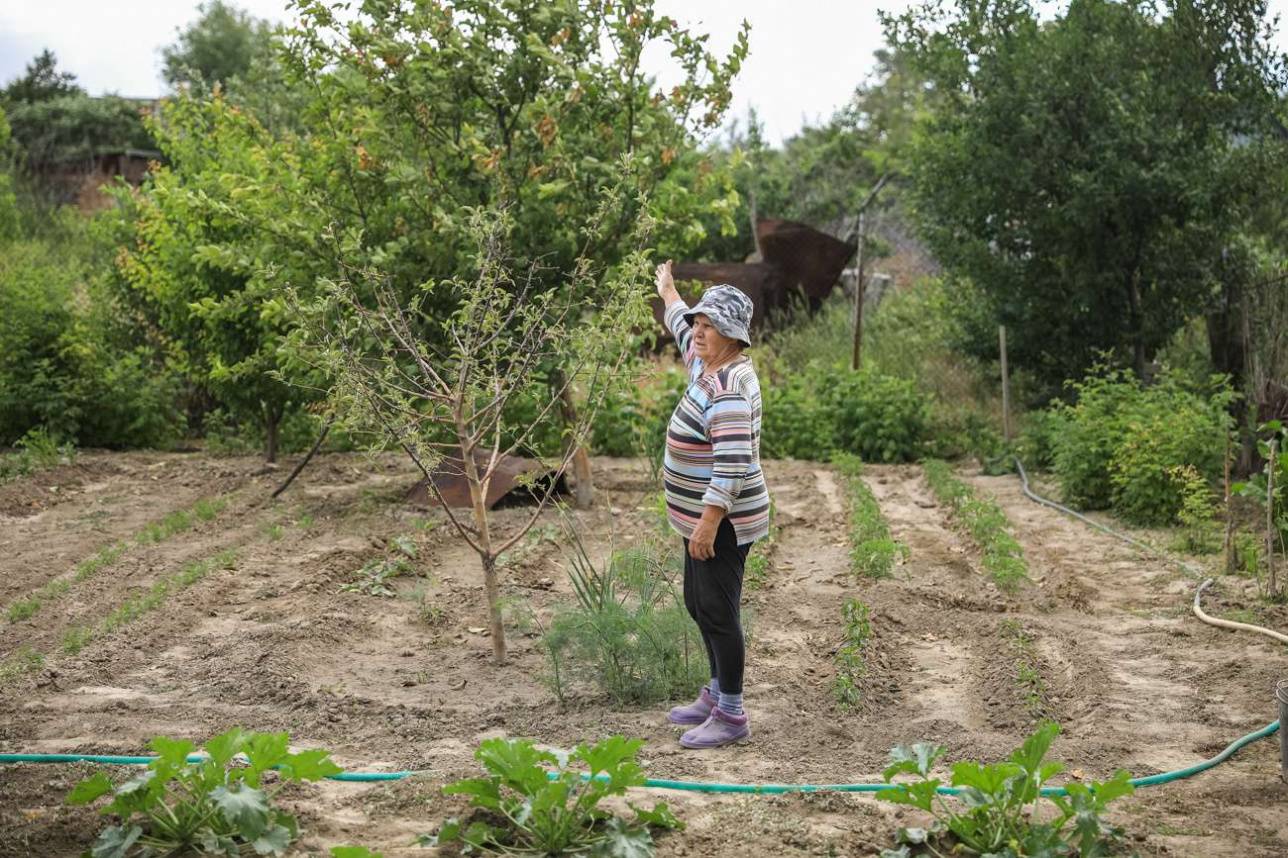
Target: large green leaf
<point x="245" y="808"/>
<point x="172" y="752"/>
<point x="225" y="746"/>
<point x="624" y="841"/>
<point x="485" y="792"/>
<point x="614" y="756"/>
<point x="920" y="794"/>
<point x="275" y="840"/>
<point x="660" y="816"/>
<point x="916" y="760"/>
<point x="89" y="789"/>
<point x="517" y="762"/>
<point x="115" y="841"/>
<point x="311" y="765"/>
<point x="265" y="750"/>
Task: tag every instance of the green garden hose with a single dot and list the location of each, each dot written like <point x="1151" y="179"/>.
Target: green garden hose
<point x="685" y="786"/>
<point x="758" y="789"/>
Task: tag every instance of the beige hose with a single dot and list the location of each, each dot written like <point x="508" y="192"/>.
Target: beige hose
<point x="1230" y="624"/>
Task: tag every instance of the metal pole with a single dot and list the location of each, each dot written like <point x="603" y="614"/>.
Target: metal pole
<point x="856" y="355"/>
<point x="1006" y="386"/>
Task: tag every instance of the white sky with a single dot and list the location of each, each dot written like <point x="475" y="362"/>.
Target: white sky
<point x="806" y="55"/>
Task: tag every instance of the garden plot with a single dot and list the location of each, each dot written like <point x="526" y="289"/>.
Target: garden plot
<point x="1099" y="639"/>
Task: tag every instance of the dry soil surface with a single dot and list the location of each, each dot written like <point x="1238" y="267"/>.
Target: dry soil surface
<point x="1101" y="640"/>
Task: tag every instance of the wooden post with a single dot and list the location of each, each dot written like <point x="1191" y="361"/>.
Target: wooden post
<point x="1006" y="385"/>
<point x="1270" y="519"/>
<point x="1228" y="542"/>
<point x="857" y="354"/>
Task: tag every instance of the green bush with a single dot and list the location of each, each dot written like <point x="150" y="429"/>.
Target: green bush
<point x="628" y="632"/>
<point x="1003" y="809"/>
<point x="796" y="422"/>
<point x="811" y="414"/>
<point x="66" y="361"/>
<point x="1036" y="443"/>
<point x="213" y="805"/>
<point x="540" y="802"/>
<point x="1116" y="446"/>
<point x="880" y="418"/>
<point x="633" y="421"/>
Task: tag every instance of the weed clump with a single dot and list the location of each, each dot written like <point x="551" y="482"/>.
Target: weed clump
<point x="628" y="632"/>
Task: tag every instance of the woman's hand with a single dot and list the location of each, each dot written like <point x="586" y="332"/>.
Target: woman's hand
<point x="702" y="544"/>
<point x="666" y="284"/>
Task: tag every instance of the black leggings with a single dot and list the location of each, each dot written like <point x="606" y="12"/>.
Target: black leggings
<point x="712" y="591"/>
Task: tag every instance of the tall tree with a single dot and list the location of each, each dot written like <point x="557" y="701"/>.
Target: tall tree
<point x="41" y="82"/>
<point x="411" y="115"/>
<point x="1083" y="175"/>
<point x="220" y="46"/>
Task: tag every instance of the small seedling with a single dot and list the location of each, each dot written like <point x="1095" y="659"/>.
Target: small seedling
<point x="985" y="523"/>
<point x="873" y="550"/>
<point x="850" y="664"/>
<point x="374" y="577"/>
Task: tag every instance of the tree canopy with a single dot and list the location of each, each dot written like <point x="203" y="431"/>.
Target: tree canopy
<point x="1084" y="176"/>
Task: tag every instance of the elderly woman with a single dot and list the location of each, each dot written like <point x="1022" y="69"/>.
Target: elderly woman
<point x="715" y="493"/>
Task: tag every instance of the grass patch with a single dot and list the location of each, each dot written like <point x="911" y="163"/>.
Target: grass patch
<point x="985" y="523"/>
<point x="850" y="664"/>
<point x="106" y="556"/>
<point x="873" y="551"/>
<point x="78" y="637"/>
<point x="35" y="451"/>
<point x="1028" y="671"/>
<point x="208" y="509"/>
<point x="205" y="509"/>
<point x="23" y="661"/>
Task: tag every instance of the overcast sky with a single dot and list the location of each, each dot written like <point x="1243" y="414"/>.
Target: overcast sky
<point x="806" y="55"/>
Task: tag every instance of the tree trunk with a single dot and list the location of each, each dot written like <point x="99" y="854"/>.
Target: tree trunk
<point x="493" y="592"/>
<point x="478" y="499"/>
<point x="584" y="495"/>
<point x="1137" y="328"/>
<point x="1228" y="334"/>
<point x="272" y="423"/>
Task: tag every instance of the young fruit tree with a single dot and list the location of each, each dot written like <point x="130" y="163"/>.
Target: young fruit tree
<point x="448" y="407"/>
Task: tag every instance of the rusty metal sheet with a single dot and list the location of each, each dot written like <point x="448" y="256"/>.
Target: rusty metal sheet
<point x="810" y="260"/>
<point x="449" y="478"/>
<point x="758" y="281"/>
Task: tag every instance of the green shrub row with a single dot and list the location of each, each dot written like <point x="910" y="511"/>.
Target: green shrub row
<point x="205" y="509"/>
<point x="873" y="551"/>
<point x="984" y="521"/>
<point x="825" y="410"/>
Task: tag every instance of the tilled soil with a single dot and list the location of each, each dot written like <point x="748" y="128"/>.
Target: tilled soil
<point x="1108" y="647"/>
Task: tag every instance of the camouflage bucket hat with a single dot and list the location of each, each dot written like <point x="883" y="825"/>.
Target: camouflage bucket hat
<point x="729" y="310"/>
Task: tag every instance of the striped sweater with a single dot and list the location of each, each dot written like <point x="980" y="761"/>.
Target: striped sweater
<point x="713" y="443"/>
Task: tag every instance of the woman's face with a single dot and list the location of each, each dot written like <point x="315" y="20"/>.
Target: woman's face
<point x="709" y="343"/>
